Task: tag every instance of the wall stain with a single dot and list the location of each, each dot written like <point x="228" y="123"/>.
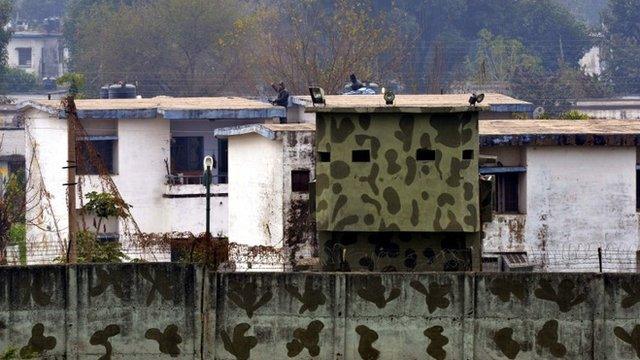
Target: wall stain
<point x="373" y="290"/>
<point x="106" y="278"/>
<point x="240" y="346"/>
<point x="438" y="342"/>
<point x="632" y="339"/>
<point x="566" y="297"/>
<point x="162" y="284"/>
<point x="36" y="292"/>
<point x="365" y="346"/>
<point x="547" y="337"/>
<point x="168" y="340"/>
<point x="503" y="288"/>
<point x="306" y="338"/>
<point x="633" y="294"/>
<point x="38" y="343"/>
<point x="101" y="337"/>
<point x="509" y="347"/>
<point x="245" y="296"/>
<point x="311" y="298"/>
<point x="435" y="297"/>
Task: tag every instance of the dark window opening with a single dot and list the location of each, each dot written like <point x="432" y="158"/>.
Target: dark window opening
<point x="300" y="180"/>
<point x="467" y="154"/>
<point x="425" y="155"/>
<point x="505" y="199"/>
<point x="24" y="57"/>
<point x="324" y="156"/>
<point x="95" y="157"/>
<point x="223" y="161"/>
<point x="360" y="156"/>
<point x="187" y="154"/>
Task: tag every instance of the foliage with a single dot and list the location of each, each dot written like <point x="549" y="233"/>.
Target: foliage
<point x="171" y="47"/>
<point x="18" y="80"/>
<point x="92" y="250"/>
<point x="574" y="115"/>
<point x="75" y="82"/>
<point x="105" y="205"/>
<point x="12" y="207"/>
<point x="621" y="46"/>
<point x="18" y="236"/>
<point x="325" y="43"/>
<point x="38" y="10"/>
<point x="9" y="354"/>
<point x="5" y="12"/>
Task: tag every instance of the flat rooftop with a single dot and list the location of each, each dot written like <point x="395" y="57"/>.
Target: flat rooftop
<point x="559" y="132"/>
<point x="269" y="131"/>
<point x="163" y="106"/>
<point x="414" y="103"/>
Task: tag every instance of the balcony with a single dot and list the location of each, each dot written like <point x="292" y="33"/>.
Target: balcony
<point x="191" y="185"/>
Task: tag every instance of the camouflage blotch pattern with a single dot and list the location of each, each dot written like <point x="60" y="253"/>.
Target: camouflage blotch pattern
<point x="409" y="172"/>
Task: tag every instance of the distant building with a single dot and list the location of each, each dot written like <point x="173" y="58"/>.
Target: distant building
<point x="565" y="188"/>
<point x="270" y="170"/>
<point x="37" y="53"/>
<point x="620" y="108"/>
<point x="151" y="148"/>
<point x="12" y="141"/>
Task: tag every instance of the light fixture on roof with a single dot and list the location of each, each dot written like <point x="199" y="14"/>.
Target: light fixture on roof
<point x="476" y="99"/>
<point x="388" y="96"/>
<point x="317" y="95"/>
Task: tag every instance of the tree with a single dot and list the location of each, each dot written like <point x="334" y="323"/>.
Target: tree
<point x="12" y="208"/>
<point x="621" y="46"/>
<point x="18" y="80"/>
<point x="5" y="13"/>
<point x="38" y="10"/>
<point x="170" y="47"/>
<point x="315" y="42"/>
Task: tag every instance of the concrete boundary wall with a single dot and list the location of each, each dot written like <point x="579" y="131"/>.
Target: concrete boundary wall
<point x="154" y="311"/>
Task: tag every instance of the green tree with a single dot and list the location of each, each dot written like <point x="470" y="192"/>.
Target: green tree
<point x="18" y="80"/>
<point x="5" y="15"/>
<point x="621" y="46"/>
<point x="12" y="208"/>
<point x="172" y="47"/>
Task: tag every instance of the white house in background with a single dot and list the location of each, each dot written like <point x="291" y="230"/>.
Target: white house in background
<point x="12" y="141"/>
<point x="620" y="108"/>
<point x="565" y="188"/>
<point x="153" y="149"/>
<point x="500" y="106"/>
<point x="270" y="169"/>
<point x="37" y="53"/>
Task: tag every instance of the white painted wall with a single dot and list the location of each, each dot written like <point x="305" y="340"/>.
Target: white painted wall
<point x="255" y="190"/>
<point x="578" y="198"/>
<point x="187" y="214"/>
<point x="49" y="45"/>
<point x="12" y="142"/>
<point x="619" y="114"/>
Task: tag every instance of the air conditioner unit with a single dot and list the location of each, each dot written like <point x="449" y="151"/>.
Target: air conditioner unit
<point x="516" y="262"/>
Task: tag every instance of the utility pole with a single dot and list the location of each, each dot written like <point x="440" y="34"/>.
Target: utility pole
<point x="72" y="118"/>
<point x="209" y="163"/>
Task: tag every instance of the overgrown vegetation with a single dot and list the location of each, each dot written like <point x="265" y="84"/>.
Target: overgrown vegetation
<point x="12" y="211"/>
<point x="18" y="80"/>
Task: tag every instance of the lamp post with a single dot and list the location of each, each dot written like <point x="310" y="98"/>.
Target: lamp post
<point x="208" y="164"/>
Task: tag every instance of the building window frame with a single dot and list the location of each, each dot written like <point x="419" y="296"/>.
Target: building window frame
<point x="507" y="188"/>
<point x="300" y="179"/>
<point x="25" y="57"/>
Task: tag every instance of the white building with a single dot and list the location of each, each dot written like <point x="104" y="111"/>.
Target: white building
<point x="620" y="108"/>
<point x="12" y="142"/>
<point x="37" y="53"/>
<point x="565" y="188"/>
<point x="269" y="193"/>
<point x="153" y="150"/>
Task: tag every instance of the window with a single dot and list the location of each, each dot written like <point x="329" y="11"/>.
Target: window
<point x="324" y="156"/>
<point x="300" y="180"/>
<point x="360" y="156"/>
<point x="506" y="195"/>
<point x="93" y="155"/>
<point x="24" y="57"/>
<point x="467" y="154"/>
<point x="425" y="155"/>
<point x="187" y="154"/>
<point x="223" y="161"/>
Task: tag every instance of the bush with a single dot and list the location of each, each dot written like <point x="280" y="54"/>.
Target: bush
<point x="91" y="250"/>
<point x="17" y="80"/>
<point x="574" y="115"/>
<point x="18" y="236"/>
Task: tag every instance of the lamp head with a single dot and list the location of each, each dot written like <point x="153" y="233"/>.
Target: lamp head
<point x="317" y="95"/>
<point x="208" y="162"/>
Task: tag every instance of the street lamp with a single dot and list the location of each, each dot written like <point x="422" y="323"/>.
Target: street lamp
<point x="208" y="164"/>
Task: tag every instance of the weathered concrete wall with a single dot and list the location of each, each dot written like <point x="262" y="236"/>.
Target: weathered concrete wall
<point x="255" y="190"/>
<point x="151" y="311"/>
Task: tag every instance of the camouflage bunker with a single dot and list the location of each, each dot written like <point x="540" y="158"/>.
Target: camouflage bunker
<point x="397" y="186"/>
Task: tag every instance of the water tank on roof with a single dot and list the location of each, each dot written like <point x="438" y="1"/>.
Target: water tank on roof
<point x="104" y="92"/>
<point x="122" y="91"/>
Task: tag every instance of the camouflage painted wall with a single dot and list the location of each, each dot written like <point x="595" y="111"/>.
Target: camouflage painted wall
<point x="397" y="172"/>
<point x="154" y="311"/>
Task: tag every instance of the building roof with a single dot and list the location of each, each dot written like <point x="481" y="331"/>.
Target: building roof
<point x="269" y="131"/>
<point x="414" y="103"/>
<point x="34" y="34"/>
<point x="559" y="132"/>
<point x="607" y="104"/>
<point x="166" y="107"/>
